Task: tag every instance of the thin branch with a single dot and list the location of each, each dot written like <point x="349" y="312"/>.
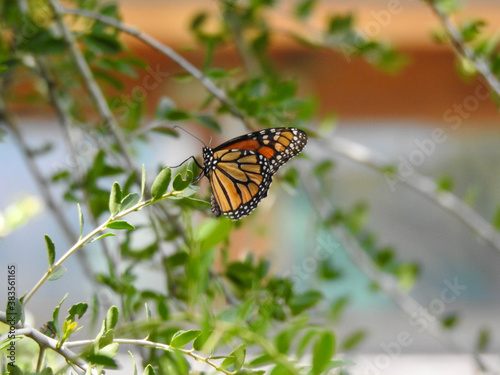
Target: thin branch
<point x="166" y="50"/>
<point x="45" y="342"/>
<point x="388" y="284"/>
<point x="84" y="240"/>
<point x="459" y="45"/>
<point x="91" y="84"/>
<point x="157" y="345"/>
<point x="422" y="185"/>
<point x="35" y="171"/>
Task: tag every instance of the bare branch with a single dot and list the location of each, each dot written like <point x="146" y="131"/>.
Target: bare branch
<point x="47" y="343"/>
<point x="422" y="185"/>
<point x="166" y="50"/>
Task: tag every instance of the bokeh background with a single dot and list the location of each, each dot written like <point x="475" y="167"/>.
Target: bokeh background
<point x="390" y="114"/>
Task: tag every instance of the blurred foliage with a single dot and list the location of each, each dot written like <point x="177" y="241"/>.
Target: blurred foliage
<point x="236" y="316"/>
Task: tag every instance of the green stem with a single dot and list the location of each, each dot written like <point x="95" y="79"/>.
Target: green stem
<point x="83" y="241"/>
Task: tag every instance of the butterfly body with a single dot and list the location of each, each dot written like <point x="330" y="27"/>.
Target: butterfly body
<point x="240" y="170"/>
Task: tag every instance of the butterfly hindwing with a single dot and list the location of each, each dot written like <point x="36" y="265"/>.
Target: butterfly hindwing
<point x="239" y="180"/>
<point x="240" y="170"/>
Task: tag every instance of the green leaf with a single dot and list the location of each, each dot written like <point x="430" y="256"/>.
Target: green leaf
<point x="483" y="340"/>
<point x="57" y="273"/>
<point x="496" y="219"/>
<point x="212" y="232"/>
<point x="42" y="43"/>
<point x="132" y="359"/>
<point x="340" y="24"/>
<point x="444" y="184"/>
<point x="120" y="224"/>
<point x="322" y="168"/>
<point x="407" y="274"/>
<point x="14" y="370"/>
<point x="115" y="198"/>
<point x="167" y="130"/>
<point x="129" y="201"/>
<point x="14" y="311"/>
<point x="55" y="318"/>
<point x="149" y="370"/>
<point x="165" y="105"/>
<point x="450" y="321"/>
<point x="102" y="43"/>
<point x="103" y="236"/>
<point x="80" y="217"/>
<point x="177" y="115"/>
<point x="304" y="8"/>
<point x="304" y="341"/>
<point x="322" y="352"/>
<point x="283" y="341"/>
<point x="304" y="301"/>
<point x="338" y="307"/>
<point x="180" y="184"/>
<point x="181" y="338"/>
<point x="261" y="360"/>
<point x="162" y="308"/>
<point x="77" y="309"/>
<point x="102" y="360"/>
<point x="161" y="182"/>
<point x="51" y="250"/>
<point x="200" y="341"/>
<point x="239" y="357"/>
<point x="353" y="340"/>
<point x="111" y="318"/>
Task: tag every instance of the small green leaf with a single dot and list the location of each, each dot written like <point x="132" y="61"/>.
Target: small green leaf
<point x="450" y="321"/>
<point x="261" y="360"/>
<point x="101" y="42"/>
<point x="208" y="122"/>
<point x="57" y="273"/>
<point x="103" y="236"/>
<point x="115" y="198"/>
<point x="201" y="340"/>
<point x="353" y="340"/>
<point x="483" y="340"/>
<point x="102" y="360"/>
<point x="181" y="338"/>
<point x="51" y="250"/>
<point x="444" y="184"/>
<point x="323" y="168"/>
<point x="167" y="130"/>
<point x="111" y="318"/>
<point x="149" y="370"/>
<point x="55" y="318"/>
<point x="120" y="224"/>
<point x="212" y="232"/>
<point x="304" y="301"/>
<point x="180" y="184"/>
<point x="160" y="184"/>
<point x="14" y="311"/>
<point x="162" y="308"/>
<point x="496" y="219"/>
<point x="304" y="8"/>
<point x="322" y="352"/>
<point x="304" y="341"/>
<point x="338" y="307"/>
<point x="165" y="105"/>
<point x="77" y="309"/>
<point x="177" y="115"/>
<point x="132" y="359"/>
<point x="129" y="201"/>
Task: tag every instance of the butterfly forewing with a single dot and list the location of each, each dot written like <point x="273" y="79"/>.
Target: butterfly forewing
<point x="240" y="170"/>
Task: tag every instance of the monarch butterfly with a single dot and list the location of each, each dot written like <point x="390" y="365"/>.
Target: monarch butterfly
<point x="241" y="170"/>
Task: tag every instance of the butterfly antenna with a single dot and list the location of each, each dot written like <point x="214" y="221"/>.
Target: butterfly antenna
<point x="192" y="135"/>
